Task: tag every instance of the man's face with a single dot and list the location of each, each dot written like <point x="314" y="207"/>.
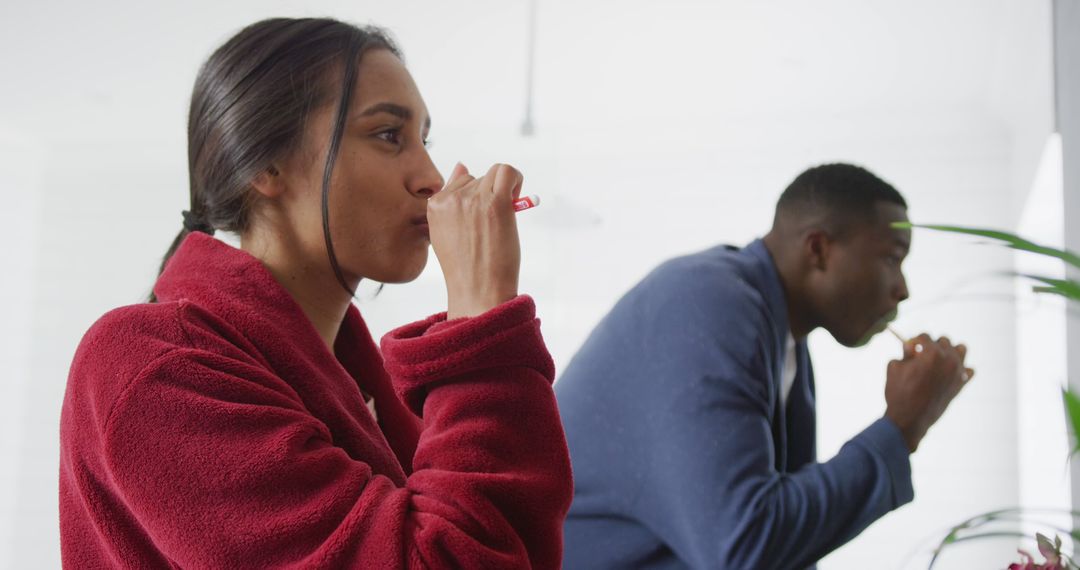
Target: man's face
<point x="862" y="283"/>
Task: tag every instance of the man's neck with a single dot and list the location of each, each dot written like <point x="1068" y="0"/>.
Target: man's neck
<point x="791" y="272"/>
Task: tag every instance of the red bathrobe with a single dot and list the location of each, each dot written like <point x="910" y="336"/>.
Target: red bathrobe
<point x="214" y="429"/>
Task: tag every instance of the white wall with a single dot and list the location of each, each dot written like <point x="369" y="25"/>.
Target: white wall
<point x="1067" y="123"/>
<point x="661" y="128"/>
<point x="20" y="163"/>
<point x="1041" y="349"/>
<point x="1021" y="89"/>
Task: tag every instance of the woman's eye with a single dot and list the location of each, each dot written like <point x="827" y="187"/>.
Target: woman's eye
<point x="428" y="143"/>
<point x="392" y="136"/>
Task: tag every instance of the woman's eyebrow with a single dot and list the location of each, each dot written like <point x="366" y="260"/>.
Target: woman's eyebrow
<point x="399" y="111"/>
<point x="391" y="108"/>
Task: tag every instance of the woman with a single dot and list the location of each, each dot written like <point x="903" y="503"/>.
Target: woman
<point x="245" y="418"/>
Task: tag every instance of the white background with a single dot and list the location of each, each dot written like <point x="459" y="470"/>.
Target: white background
<point x="662" y="128"/>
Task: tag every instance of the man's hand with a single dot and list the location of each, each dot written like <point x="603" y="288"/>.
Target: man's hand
<point x="920" y="387"/>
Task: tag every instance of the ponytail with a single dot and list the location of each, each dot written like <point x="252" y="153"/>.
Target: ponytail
<point x="192" y="223"/>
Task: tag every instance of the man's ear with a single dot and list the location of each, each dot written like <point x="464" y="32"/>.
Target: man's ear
<point x="816" y="249"/>
<point x="269" y="183"/>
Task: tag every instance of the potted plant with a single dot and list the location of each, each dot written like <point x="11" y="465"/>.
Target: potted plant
<point x="1009" y="522"/>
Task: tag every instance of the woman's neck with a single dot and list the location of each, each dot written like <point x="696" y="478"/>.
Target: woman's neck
<point x="312" y="285"/>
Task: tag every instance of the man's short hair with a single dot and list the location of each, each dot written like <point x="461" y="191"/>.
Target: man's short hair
<point x="838" y="194"/>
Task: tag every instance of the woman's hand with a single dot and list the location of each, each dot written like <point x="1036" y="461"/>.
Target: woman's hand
<point x="474" y="234"/>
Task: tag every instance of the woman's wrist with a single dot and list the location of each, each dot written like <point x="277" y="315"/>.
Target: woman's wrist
<point x="476" y="304"/>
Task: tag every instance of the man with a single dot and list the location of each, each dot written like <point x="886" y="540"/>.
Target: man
<point x="689" y="411"/>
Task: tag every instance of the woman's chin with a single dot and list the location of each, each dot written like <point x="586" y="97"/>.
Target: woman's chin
<point x="403" y="272"/>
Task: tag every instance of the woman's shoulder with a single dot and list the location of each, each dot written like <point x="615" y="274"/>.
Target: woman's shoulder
<point x="126" y="342"/>
<point x="135" y="333"/>
<point x="115" y="350"/>
<point x="141" y="333"/>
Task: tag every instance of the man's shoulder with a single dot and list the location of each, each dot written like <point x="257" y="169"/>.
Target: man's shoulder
<point x="706" y="300"/>
<point x="722" y="275"/>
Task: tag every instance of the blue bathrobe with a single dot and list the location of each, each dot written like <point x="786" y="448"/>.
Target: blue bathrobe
<point x="683" y="454"/>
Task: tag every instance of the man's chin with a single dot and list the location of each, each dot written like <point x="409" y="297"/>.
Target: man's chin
<point x="857" y="340"/>
<point x="874" y="330"/>
<point x="864" y="339"/>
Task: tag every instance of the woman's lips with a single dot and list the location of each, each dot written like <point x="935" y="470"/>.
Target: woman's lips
<point x="421" y="224"/>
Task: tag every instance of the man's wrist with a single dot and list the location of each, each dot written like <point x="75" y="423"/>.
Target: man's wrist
<point x="908" y="430"/>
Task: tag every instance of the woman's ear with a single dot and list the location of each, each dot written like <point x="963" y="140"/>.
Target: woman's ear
<point x="269" y="183"/>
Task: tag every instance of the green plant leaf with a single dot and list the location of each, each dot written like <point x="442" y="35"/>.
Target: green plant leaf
<point x="1065" y="287"/>
<point x="1047" y="548"/>
<point x="1012" y="240"/>
<point x="1072" y="409"/>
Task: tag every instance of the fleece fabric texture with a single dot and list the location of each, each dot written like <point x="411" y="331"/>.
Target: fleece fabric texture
<point x="684" y="456"/>
<point x="214" y="429"/>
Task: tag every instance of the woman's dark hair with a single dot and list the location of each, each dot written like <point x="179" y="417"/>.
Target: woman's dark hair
<point x="249" y="107"/>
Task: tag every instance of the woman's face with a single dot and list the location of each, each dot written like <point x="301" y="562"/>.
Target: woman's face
<point x="382" y="178"/>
